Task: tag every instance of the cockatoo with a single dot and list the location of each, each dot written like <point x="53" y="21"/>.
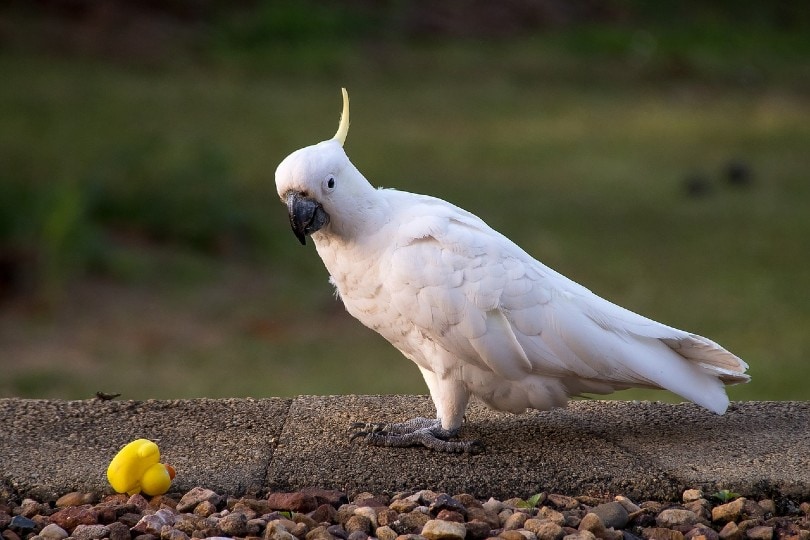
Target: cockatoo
<point x="477" y="314"/>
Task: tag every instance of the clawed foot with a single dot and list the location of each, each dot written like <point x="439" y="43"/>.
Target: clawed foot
<point x="415" y="432"/>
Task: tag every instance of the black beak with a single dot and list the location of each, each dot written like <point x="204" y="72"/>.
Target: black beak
<point x="306" y="215"/>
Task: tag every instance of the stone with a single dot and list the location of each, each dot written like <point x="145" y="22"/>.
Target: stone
<point x="746" y="524"/>
<point x="476" y="529"/>
<point x="8" y="534"/>
<point x="245" y="509"/>
<point x="752" y="510"/>
<point x="118" y="531"/>
<point x="410" y="523"/>
<point x="515" y="521"/>
<point x="492" y="505"/>
<point x="370" y="513"/>
<point x="760" y="532"/>
<point x="701" y="532"/>
<point x="580" y="535"/>
<point x="691" y="495"/>
<point x="68" y="518"/>
<point x="701" y="507"/>
<point x="319" y="533"/>
<point x="424" y="496"/>
<point x="153" y="523"/>
<point x="446" y="502"/>
<point x="332" y="497"/>
<point x="300" y="530"/>
<point x="22" y="525"/>
<point x="90" y="532"/>
<point x="503" y="515"/>
<point x="591" y="522"/>
<point x="482" y="514"/>
<point x="450" y="515"/>
<point x="768" y="506"/>
<point x="74" y="498"/>
<point x="337" y="531"/>
<point x="52" y="531"/>
<point x="628" y="505"/>
<point x="613" y="514"/>
<point x="511" y="535"/>
<point x="170" y="533"/>
<point x="676" y="518"/>
<point x="195" y="496"/>
<point x="528" y="535"/>
<point x="562" y="502"/>
<point x="204" y="508"/>
<point x="729" y="511"/>
<point x="129" y="519"/>
<point x="358" y="523"/>
<point x="572" y="519"/>
<point x="234" y="524"/>
<point x="276" y="531"/>
<point x="385" y="533"/>
<point x="544" y="529"/>
<point x="730" y="532"/>
<point x="436" y="529"/>
<point x="386" y="516"/>
<point x="138" y="501"/>
<point x="30" y="508"/>
<point x="306" y="520"/>
<point x="357" y="535"/>
<point x="403" y="506"/>
<point x="552" y="515"/>
<point x="660" y="533"/>
<point x="325" y="513"/>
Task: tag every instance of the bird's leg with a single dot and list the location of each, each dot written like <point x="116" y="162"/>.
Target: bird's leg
<point x="425" y="432"/>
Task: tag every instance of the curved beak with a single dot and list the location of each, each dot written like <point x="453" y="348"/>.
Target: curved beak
<point x="306" y="215"/>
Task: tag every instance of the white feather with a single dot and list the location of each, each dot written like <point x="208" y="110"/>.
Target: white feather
<point x="477" y="314"/>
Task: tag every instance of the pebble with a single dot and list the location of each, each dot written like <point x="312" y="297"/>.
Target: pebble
<point x="52" y="531"/>
<point x="90" y="532"/>
<point x="613" y="514"/>
<point x="760" y="532"/>
<point x="729" y="511"/>
<point x="544" y="529"/>
<point x="424" y="515"/>
<point x="677" y="518"/>
<point x="691" y="495"/>
<point x="196" y="496"/>
<point x="22" y="524"/>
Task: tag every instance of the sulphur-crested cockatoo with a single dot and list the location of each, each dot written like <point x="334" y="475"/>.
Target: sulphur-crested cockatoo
<point x="477" y="314"/>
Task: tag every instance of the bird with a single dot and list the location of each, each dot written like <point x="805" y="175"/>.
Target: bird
<point x="477" y="314"/>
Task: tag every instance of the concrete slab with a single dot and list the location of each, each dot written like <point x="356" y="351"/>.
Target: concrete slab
<point x="48" y="447"/>
<point x="237" y="446"/>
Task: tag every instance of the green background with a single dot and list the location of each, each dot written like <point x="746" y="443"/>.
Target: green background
<point x="143" y="249"/>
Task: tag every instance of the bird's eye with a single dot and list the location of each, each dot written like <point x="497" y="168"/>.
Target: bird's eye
<point x="329" y="183"/>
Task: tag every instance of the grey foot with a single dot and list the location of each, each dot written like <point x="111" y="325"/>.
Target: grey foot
<point x="425" y="432"/>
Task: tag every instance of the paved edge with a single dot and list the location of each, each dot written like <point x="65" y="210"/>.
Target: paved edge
<point x="249" y="446"/>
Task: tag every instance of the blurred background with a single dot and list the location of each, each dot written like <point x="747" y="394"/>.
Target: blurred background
<point x="656" y="152"/>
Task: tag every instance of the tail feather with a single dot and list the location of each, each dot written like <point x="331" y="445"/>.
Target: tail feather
<point x="726" y="366"/>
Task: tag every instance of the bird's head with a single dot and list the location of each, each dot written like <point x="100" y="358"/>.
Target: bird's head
<point x="319" y="185"/>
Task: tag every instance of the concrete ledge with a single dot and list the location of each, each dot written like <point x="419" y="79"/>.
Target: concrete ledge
<point x="237" y="446"/>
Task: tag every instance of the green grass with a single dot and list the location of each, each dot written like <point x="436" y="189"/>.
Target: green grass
<point x="167" y="266"/>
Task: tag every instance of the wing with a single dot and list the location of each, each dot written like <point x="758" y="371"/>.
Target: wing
<point x="480" y="297"/>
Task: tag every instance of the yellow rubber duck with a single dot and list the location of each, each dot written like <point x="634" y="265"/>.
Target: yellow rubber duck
<point x="136" y="468"/>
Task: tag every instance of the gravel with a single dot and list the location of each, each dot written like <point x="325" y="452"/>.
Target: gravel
<point x="318" y="514"/>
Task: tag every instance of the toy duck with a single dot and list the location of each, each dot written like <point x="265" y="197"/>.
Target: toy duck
<point x="136" y="468"/>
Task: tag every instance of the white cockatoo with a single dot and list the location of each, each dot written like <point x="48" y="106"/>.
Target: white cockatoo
<point x="478" y="315"/>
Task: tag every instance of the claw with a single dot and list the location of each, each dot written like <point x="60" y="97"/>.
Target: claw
<point x="415" y="432"/>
